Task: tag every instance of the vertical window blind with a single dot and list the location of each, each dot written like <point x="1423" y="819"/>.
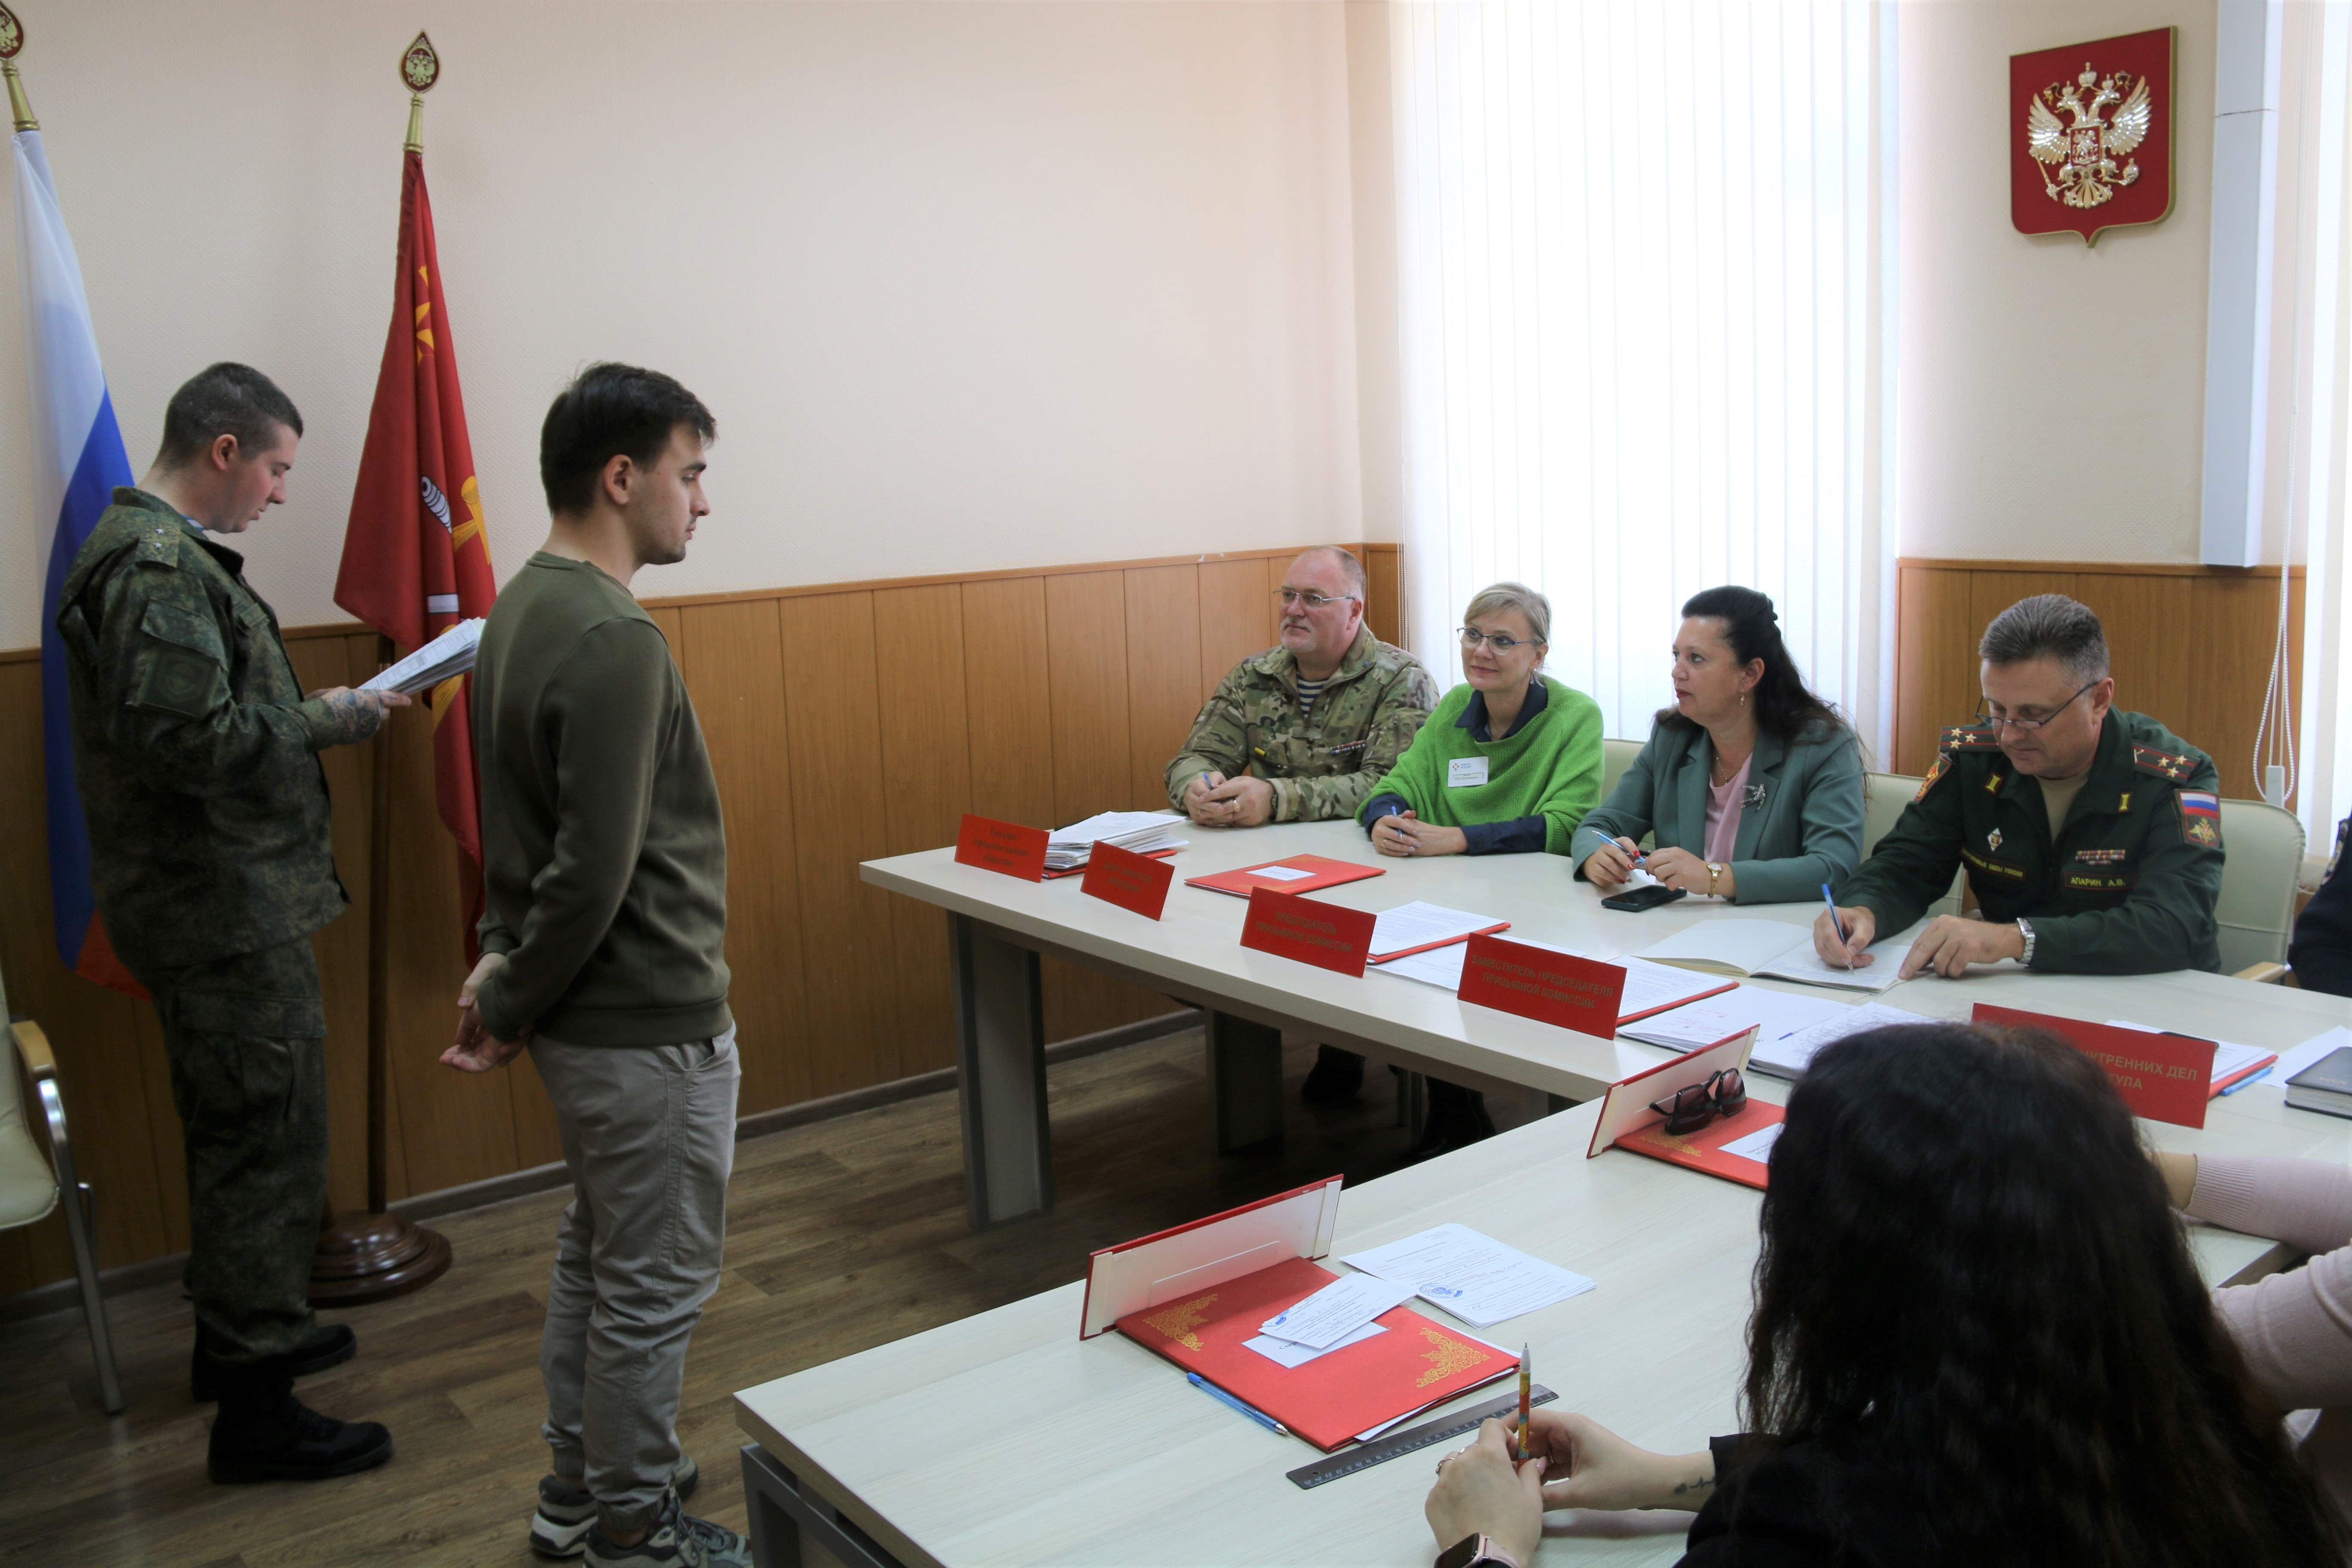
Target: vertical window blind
<point x="1644" y="255"/>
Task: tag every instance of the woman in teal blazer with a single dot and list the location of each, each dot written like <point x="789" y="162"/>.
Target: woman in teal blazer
<point x="1750" y="785"/>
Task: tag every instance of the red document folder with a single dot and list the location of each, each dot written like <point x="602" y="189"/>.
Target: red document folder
<point x="1627" y="1121"/>
<point x="1338" y="1394"/>
<point x="1703" y="1150"/>
<point x="1321" y="872"/>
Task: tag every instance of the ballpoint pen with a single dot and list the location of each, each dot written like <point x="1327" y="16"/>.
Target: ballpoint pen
<point x="1836" y="919"/>
<point x="1221" y="1397"/>
<point x="1526" y="1387"/>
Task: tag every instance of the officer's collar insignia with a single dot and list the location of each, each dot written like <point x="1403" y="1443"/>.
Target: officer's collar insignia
<point x="1992" y="841"/>
<point x="1992" y="784"/>
<point x="2123" y="802"/>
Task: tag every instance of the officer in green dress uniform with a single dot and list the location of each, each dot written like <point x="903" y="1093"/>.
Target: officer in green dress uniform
<point x="2091" y="836"/>
<point x="195" y="752"/>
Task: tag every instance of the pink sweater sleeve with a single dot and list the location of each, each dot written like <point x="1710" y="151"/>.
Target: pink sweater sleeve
<point x="2294" y="1329"/>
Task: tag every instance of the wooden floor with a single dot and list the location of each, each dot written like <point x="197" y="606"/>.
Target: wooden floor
<point x="841" y="1235"/>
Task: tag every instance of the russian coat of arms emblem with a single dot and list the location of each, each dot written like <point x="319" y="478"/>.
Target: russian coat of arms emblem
<point x="2091" y="135"/>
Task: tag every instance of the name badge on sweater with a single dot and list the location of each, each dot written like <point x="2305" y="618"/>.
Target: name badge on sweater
<point x="1463" y="771"/>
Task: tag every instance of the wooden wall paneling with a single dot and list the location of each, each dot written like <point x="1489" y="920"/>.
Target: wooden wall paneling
<point x="833" y="701"/>
<point x="1274" y="570"/>
<point x="1088" y="664"/>
<point x="2233" y="624"/>
<point x="341" y="946"/>
<point x="2146" y="621"/>
<point x="455" y="1127"/>
<point x="926" y="787"/>
<point x="733" y="661"/>
<point x="94" y="1030"/>
<point x="1386" y="610"/>
<point x="1163" y="673"/>
<point x="1936" y="665"/>
<point x="1233" y="618"/>
<point x="1008" y="699"/>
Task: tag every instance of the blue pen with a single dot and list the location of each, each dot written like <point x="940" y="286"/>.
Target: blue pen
<point x="1221" y="1397"/>
<point x="2250" y="1078"/>
<point x="1836" y="919"/>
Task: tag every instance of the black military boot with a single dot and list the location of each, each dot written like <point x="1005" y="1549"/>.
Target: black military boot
<point x="333" y="1345"/>
<point x="264" y="1434"/>
<point x="1336" y="1075"/>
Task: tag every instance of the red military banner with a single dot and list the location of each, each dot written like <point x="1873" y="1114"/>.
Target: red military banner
<point x="1325" y="935"/>
<point x="1006" y="847"/>
<point x="1132" y="882"/>
<point x="416" y="561"/>
<point x="2090" y="134"/>
<point x="2164" y="1077"/>
<point x="1536" y="983"/>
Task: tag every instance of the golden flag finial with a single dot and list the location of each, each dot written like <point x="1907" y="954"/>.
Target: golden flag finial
<point x="12" y="44"/>
<point x="420" y="68"/>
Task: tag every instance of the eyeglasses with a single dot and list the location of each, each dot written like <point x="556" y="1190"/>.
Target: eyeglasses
<point x="1472" y="637"/>
<point x="1985" y="721"/>
<point x="1691" y="1108"/>
<point x="1312" y="600"/>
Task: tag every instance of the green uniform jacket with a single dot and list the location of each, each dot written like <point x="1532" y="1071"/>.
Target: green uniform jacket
<point x="193" y="749"/>
<point x="1552" y="768"/>
<point x="1804" y="828"/>
<point x="1322" y="765"/>
<point x="2126" y="887"/>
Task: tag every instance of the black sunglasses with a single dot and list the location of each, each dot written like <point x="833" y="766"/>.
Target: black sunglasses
<point x="1689" y="1109"/>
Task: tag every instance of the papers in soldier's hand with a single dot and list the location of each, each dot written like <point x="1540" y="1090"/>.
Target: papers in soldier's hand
<point x="451" y="653"/>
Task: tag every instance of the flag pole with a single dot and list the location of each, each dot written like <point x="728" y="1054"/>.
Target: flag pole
<point x="375" y="1256"/>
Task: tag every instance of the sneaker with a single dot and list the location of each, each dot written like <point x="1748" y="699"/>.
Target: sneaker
<point x="677" y="1539"/>
<point x="560" y="1527"/>
<point x="333" y="1345"/>
<point x="1335" y="1075"/>
<point x="265" y="1434"/>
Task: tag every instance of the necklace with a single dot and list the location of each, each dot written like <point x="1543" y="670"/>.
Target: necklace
<point x="1723" y="770"/>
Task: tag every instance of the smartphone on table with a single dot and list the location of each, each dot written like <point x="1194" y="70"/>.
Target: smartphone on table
<point x="1636" y="900"/>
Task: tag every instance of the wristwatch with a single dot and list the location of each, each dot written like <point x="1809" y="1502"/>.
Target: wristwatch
<point x="2025" y="929"/>
<point x="1474" y="1549"/>
<point x="1714" y="875"/>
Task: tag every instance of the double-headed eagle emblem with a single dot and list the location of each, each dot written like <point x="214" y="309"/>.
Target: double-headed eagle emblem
<point x="2086" y="161"/>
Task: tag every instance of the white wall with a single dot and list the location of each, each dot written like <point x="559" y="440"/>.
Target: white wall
<point x="2051" y="398"/>
<point x="968" y="285"/>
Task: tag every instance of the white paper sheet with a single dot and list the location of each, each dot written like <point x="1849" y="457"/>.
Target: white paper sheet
<point x="451" y="653"/>
<point x="1804" y="965"/>
<point x="1279" y="873"/>
<point x="1736" y="947"/>
<point x="2294" y="1061"/>
<point x="1336" y="1311"/>
<point x="2228" y="1058"/>
<point x="1756" y="1145"/>
<point x="1648" y="987"/>
<point x="1472" y="1276"/>
<point x="1773" y="1015"/>
<point x="1284" y="1354"/>
<point x="1790" y="1054"/>
<point x="1417" y="924"/>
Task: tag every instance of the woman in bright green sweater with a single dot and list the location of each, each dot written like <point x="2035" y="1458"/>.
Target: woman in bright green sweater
<point x="1508" y="764"/>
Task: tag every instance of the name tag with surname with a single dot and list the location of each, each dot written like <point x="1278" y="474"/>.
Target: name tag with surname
<point x="1463" y="771"/>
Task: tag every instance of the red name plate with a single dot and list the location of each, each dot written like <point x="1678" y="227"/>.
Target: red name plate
<point x="1132" y="882"/>
<point x="1536" y="983"/>
<point x="1005" y="846"/>
<point x="1325" y="935"/>
<point x="2165" y="1078"/>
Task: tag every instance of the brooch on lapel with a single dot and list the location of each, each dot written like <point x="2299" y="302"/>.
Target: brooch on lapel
<point x="1755" y="796"/>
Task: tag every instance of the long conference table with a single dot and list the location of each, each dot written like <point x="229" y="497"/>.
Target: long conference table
<point x="1003" y="1439"/>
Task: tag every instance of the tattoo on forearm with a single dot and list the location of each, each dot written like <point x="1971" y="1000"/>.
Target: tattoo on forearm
<point x="1697" y="1484"/>
<point x="357" y="715"/>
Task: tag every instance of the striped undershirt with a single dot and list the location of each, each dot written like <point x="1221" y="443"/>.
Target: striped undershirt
<point x="1308" y="691"/>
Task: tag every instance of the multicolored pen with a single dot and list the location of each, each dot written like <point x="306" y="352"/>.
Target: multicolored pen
<point x="1527" y="1388"/>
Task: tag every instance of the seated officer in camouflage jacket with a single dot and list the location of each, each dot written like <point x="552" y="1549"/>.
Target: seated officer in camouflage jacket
<point x="1302" y="732"/>
<point x="195" y="753"/>
<point x="2092" y="836"/>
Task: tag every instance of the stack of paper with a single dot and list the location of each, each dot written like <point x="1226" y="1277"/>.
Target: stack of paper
<point x="2230" y="1062"/>
<point x="1416" y="928"/>
<point x="1789" y="1054"/>
<point x="1338" y="1312"/>
<point x="1773" y="1015"/>
<point x="1141" y="831"/>
<point x="1649" y="988"/>
<point x="1473" y="1277"/>
<point x="451" y="653"/>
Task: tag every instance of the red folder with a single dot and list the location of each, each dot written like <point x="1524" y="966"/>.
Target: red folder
<point x="1320" y="871"/>
<point x="1328" y="1400"/>
<point x="1433" y="946"/>
<point x="1627" y="1121"/>
<point x="1703" y="1150"/>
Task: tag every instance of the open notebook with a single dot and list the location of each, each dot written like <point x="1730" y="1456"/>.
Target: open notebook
<point x="1774" y="950"/>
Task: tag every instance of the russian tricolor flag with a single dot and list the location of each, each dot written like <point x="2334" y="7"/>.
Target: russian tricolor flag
<point x="77" y="460"/>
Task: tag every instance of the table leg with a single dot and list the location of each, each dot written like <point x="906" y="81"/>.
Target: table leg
<point x="1245" y="1082"/>
<point x="1412" y="1103"/>
<point x="1000" y="1019"/>
<point x="792" y="1528"/>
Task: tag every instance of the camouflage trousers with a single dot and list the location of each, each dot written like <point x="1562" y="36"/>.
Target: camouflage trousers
<point x="246" y="1040"/>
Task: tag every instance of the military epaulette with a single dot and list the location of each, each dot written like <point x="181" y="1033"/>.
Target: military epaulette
<point x="2164" y="765"/>
<point x="1967" y="737"/>
<point x="159" y="542"/>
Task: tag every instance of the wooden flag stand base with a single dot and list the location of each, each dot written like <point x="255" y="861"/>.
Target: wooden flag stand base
<point x="375" y="1256"/>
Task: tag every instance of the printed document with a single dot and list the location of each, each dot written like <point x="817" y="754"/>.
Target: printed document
<point x="1472" y="1276"/>
<point x="1336" y="1311"/>
<point x="1773" y="1015"/>
<point x="1283" y="1353"/>
<point x="451" y="653"/>
<point x="1419" y="924"/>
<point x="1757" y="1145"/>
<point x="2228" y="1061"/>
<point x="1790" y="1054"/>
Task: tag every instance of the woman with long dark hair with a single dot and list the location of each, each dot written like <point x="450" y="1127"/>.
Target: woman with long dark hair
<point x="1979" y="1337"/>
<point x="1750" y="785"/>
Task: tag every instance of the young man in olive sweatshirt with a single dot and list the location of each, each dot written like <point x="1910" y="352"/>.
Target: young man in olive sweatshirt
<point x="606" y="870"/>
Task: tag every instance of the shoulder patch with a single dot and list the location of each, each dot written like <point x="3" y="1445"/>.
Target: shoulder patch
<point x="1943" y="765"/>
<point x="2201" y="818"/>
<point x="1967" y="737"/>
<point x="2164" y="765"/>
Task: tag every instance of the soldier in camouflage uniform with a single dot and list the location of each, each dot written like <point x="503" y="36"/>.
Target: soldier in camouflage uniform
<point x="195" y="752"/>
<point x="1303" y="732"/>
<point x="2091" y="836"/>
